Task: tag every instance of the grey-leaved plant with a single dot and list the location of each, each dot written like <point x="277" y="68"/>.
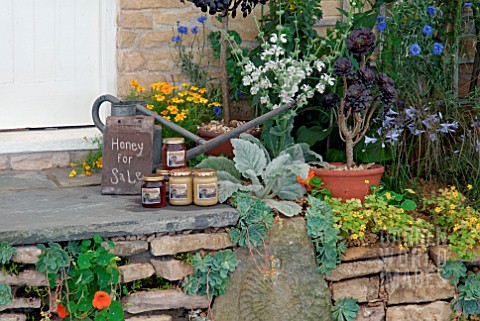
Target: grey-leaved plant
<point x="267" y="178"/>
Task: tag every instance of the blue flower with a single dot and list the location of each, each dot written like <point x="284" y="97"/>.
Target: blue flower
<point x="415" y="49"/>
<point x="468" y="4"/>
<point x="183" y="30"/>
<point x="382" y="26"/>
<point x="380" y="19"/>
<point x="427" y="30"/>
<point x="437" y="48"/>
<point x="201" y="19"/>
<point x="176" y="38"/>
<point x="432" y="10"/>
<point x="195" y="30"/>
<point x="217" y="110"/>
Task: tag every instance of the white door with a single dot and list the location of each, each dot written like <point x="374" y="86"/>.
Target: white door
<point x="56" y="57"/>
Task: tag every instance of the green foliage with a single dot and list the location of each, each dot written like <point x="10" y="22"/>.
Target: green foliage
<point x="454" y="271"/>
<point x="268" y="177"/>
<point x="461" y="222"/>
<point x="255" y="219"/>
<point x="94" y="160"/>
<point x="5" y="294"/>
<point x="469" y="296"/>
<point x="211" y="274"/>
<point x="325" y="237"/>
<point x="6" y="252"/>
<point x="345" y="310"/>
<point x="80" y="270"/>
<point x="376" y="215"/>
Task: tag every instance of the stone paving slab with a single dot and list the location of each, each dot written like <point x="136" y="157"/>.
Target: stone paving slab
<point x="60" y="177"/>
<point x="51" y="213"/>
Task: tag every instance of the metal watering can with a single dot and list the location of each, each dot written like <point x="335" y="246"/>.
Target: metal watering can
<point x="138" y="107"/>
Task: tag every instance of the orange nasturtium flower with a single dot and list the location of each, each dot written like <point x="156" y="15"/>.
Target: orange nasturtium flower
<point x="62" y="311"/>
<point x="101" y="300"/>
<point x="306" y="182"/>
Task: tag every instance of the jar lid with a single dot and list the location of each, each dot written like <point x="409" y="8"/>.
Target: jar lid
<point x="153" y="178"/>
<point x="181" y="172"/>
<point x="205" y="172"/>
<point x="164" y="172"/>
<point x="175" y="140"/>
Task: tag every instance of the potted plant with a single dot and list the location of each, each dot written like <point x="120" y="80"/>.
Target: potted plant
<point x="358" y="96"/>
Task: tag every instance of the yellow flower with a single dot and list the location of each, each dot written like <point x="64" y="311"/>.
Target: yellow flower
<point x="361" y="234"/>
<point x="380" y="222"/>
<point x="134" y="83"/>
<point x="438" y="209"/>
<point x="159" y="97"/>
<point x="185" y="84"/>
<point x="202" y="90"/>
<point x="468" y="208"/>
<point x="140" y="89"/>
<point x="73" y="173"/>
<point x="452" y="206"/>
<point x="472" y="236"/>
<point x="88" y="173"/>
<point x="451" y="212"/>
<point x="164" y="112"/>
<point x="180" y="117"/>
<point x="215" y="104"/>
<point x="392" y="224"/>
<point x="388" y="195"/>
<point x="410" y="222"/>
<point x="172" y="109"/>
<point x="400" y="247"/>
<point x="469" y="186"/>
<point x="366" y="181"/>
<point x="166" y="117"/>
<point x="87" y="167"/>
<point x="354" y="236"/>
<point x="453" y="187"/>
<point x="456" y="227"/>
<point x="73" y="165"/>
<point x="455" y="194"/>
<point x="193" y="88"/>
<point x="99" y="162"/>
<point x="363" y="227"/>
<point x="150" y="106"/>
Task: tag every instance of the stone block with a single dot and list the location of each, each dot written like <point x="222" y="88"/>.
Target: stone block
<point x="144" y="301"/>
<point x="441" y="254"/>
<point x="150" y="4"/>
<point x="130" y="61"/>
<point x="160" y="60"/>
<point x="355" y="269"/>
<point x="371" y="313"/>
<point x="172" y="270"/>
<point x="26" y="254"/>
<point x="362" y="253"/>
<point x="128" y="248"/>
<point x="415" y="263"/>
<point x="169" y="245"/>
<point x="135" y="271"/>
<point x="160" y="317"/>
<point x="362" y="289"/>
<point x="36" y="161"/>
<point x="134" y="20"/>
<point x="436" y="311"/>
<point x="425" y="287"/>
<point x="27" y="277"/>
<point x="125" y="39"/>
<point x="170" y="17"/>
<point x="22" y="303"/>
<point x="155" y="39"/>
<point x="13" y="317"/>
<point x="4" y="162"/>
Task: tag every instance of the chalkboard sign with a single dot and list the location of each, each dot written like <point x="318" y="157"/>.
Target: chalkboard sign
<point x="127" y="153"/>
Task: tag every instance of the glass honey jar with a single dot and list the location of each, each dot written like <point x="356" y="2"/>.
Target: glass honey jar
<point x="205" y="187"/>
<point x="166" y="174"/>
<point x="153" y="191"/>
<point x="181" y="187"/>
<point x="174" y="153"/>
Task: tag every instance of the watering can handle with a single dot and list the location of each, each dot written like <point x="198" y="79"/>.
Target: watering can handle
<point x="96" y="109"/>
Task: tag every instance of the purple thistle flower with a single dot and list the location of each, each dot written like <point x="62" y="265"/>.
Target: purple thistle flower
<point x="195" y="30"/>
<point x="427" y="30"/>
<point x="176" y="38"/>
<point x="432" y="10"/>
<point x="217" y="110"/>
<point x="415" y="49"/>
<point x="437" y="48"/>
<point x="202" y="19"/>
<point x="182" y="30"/>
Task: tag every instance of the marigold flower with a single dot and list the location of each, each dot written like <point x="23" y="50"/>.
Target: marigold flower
<point x="194" y="88"/>
<point x="73" y="173"/>
<point x="180" y="117"/>
<point x="172" y="109"/>
<point x="99" y="162"/>
<point x="164" y="113"/>
<point x="73" y="165"/>
<point x="62" y="311"/>
<point x="87" y="173"/>
<point x="159" y="97"/>
<point x="185" y="84"/>
<point x="150" y="106"/>
<point x="166" y="117"/>
<point x="202" y="90"/>
<point x="140" y="89"/>
<point x="306" y="182"/>
<point x="87" y="167"/>
<point x="101" y="300"/>
<point x="134" y="83"/>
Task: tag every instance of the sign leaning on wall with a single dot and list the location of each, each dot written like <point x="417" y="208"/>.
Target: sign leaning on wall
<point x="127" y="154"/>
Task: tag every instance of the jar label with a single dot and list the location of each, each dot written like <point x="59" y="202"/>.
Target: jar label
<point x="151" y="195"/>
<point x="206" y="191"/>
<point x="178" y="192"/>
<point x="176" y="158"/>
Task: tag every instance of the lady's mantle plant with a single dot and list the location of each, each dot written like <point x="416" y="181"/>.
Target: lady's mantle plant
<point x="361" y="91"/>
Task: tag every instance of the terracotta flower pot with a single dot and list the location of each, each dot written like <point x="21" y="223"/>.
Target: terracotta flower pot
<point x="347" y="184"/>
<point x="225" y="149"/>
